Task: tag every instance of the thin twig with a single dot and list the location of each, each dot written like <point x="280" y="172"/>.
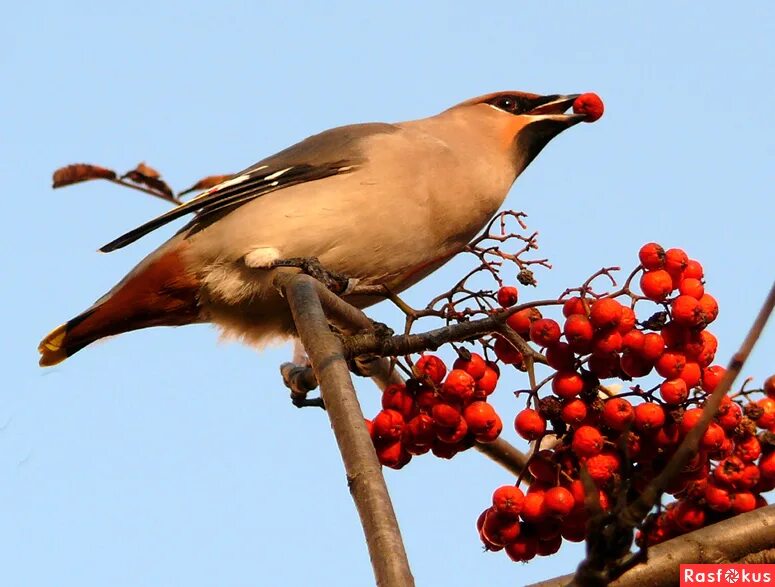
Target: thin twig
<point x="145" y="190"/>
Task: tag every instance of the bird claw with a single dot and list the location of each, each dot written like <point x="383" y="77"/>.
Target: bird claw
<point x="336" y="282"/>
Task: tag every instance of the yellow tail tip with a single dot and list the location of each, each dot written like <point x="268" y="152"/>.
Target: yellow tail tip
<point x="50" y="348"/>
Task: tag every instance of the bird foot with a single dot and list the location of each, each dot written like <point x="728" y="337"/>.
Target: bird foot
<point x="336" y="282"/>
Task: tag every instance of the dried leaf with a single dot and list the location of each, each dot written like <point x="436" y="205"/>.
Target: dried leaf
<point x="147" y="171"/>
<point x="78" y="172"/>
<point x="205" y="183"/>
<point x="149" y="177"/>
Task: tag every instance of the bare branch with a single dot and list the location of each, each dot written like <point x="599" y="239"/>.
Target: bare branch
<point x="364" y="473"/>
<point x="727" y="541"/>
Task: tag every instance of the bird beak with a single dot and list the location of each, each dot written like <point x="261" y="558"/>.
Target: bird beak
<point x="544" y="121"/>
<point x="554" y="108"/>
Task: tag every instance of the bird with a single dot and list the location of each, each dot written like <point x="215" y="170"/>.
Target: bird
<point x="381" y="203"/>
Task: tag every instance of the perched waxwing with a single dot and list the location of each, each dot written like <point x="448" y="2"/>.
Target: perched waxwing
<point x="379" y="203"/>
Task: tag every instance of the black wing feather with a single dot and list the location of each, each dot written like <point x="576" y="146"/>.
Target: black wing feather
<point x="329" y="153"/>
<point x="215" y="200"/>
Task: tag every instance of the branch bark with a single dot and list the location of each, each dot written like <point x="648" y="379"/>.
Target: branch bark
<point x="405" y="344"/>
<point x="724" y="542"/>
<point x="364" y="473"/>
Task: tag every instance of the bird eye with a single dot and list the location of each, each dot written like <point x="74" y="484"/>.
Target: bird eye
<point x="510" y="104"/>
<point x="507" y="104"/>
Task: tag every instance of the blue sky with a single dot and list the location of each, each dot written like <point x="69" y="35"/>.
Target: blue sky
<point x="167" y="458"/>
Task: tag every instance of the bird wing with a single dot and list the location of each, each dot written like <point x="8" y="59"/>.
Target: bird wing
<point x="332" y="152"/>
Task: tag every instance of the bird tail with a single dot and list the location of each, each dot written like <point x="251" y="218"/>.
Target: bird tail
<point x="158" y="292"/>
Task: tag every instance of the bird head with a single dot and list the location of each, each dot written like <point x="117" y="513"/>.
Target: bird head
<point x="519" y="123"/>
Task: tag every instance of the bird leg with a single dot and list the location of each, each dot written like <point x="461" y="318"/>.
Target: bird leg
<point x="336" y="282"/>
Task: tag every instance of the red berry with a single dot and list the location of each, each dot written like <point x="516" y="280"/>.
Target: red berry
<point x="445" y="415"/>
<point x="508" y="500"/>
<point x="587" y="441"/>
<point x="545" y="332"/>
<point x="572" y="306"/>
<point x="691" y="374"/>
<point x="590" y="105"/>
<point x="767" y="419"/>
<point x="690" y="286"/>
<point x="711" y="377"/>
<point x="420" y="431"/>
<point x="690" y="419"/>
<point x="543" y="468"/>
<point x="651" y="256"/>
<point x="480" y="417"/>
<point x="689" y="516"/>
<point x="523" y="549"/>
<point x="627" y="321"/>
<point x="714" y="437"/>
<point x="388" y="425"/>
<point x="432" y="367"/>
<point x="605" y="313"/>
<point x="520" y="321"/>
<point x="529" y="424"/>
<point x="676" y="335"/>
<point x="743" y="501"/>
<point x="602" y="467"/>
<point x="558" y="501"/>
<point x="578" y="332"/>
<point x="499" y="529"/>
<point x="607" y="342"/>
<point x="670" y="364"/>
<point x="709" y="308"/>
<point x="769" y="386"/>
<point x="426" y="398"/>
<point x="396" y="397"/>
<point x="567" y="384"/>
<point x="533" y="507"/>
<point x="574" y="412"/>
<point x="693" y="270"/>
<point x="560" y="356"/>
<point x="656" y="285"/>
<point x="549" y="546"/>
<point x="674" y="391"/>
<point x="748" y="449"/>
<point x="767" y="466"/>
<point x="635" y="366"/>
<point x="633" y="341"/>
<point x="486" y="384"/>
<point x="446" y="450"/>
<point x="649" y="416"/>
<point x="618" y="413"/>
<point x="717" y="498"/>
<point x="676" y="260"/>
<point x="604" y="366"/>
<point x="506" y="351"/>
<point x="474" y="366"/>
<point x="453" y="435"/>
<point x="492" y="433"/>
<point x="653" y="346"/>
<point x="393" y="455"/>
<point x="686" y="311"/>
<point x="507" y="296"/>
<point x="458" y="386"/>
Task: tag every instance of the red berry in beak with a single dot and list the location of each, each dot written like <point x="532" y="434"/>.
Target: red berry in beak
<point x="589" y="104"/>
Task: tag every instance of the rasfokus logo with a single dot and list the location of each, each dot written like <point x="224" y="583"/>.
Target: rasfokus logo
<point x="738" y="575"/>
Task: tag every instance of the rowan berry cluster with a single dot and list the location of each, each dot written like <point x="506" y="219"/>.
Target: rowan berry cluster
<point x="436" y="411"/>
<point x="623" y="440"/>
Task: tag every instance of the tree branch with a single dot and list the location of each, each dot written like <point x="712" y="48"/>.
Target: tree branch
<point x="405" y="344"/>
<point x="727" y="541"/>
<point x="364" y="473"/>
